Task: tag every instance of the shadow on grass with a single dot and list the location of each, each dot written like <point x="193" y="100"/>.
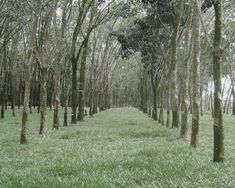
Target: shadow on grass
<point x="70" y="135"/>
<point x="144" y="134"/>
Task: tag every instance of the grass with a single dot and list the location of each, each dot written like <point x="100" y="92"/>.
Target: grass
<point x="117" y="148"/>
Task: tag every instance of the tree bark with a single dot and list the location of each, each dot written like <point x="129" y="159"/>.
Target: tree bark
<point x="175" y="109"/>
<point x="81" y="96"/>
<point x="83" y="10"/>
<point x="185" y="80"/>
<point x="74" y="93"/>
<point x="66" y="96"/>
<point x="4" y="85"/>
<point x="91" y="79"/>
<point x="56" y="119"/>
<point x="154" y="83"/>
<point x="196" y="74"/>
<point x="168" y="107"/>
<point x="161" y="116"/>
<point x="43" y="102"/>
<point x="144" y="91"/>
<point x="27" y="76"/>
<point x="201" y="100"/>
<point x="218" y="155"/>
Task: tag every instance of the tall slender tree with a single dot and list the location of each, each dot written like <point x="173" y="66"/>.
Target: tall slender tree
<point x="196" y="73"/>
<point x="218" y="155"/>
<point x="186" y="61"/>
<point x="173" y="61"/>
<point x="27" y="70"/>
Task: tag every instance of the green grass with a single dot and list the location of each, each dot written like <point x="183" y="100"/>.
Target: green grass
<point x="117" y="148"/>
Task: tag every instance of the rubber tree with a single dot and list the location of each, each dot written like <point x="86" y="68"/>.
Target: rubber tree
<point x="83" y="9"/>
<point x="154" y="83"/>
<point x="91" y="77"/>
<point x="185" y="75"/>
<point x="98" y="16"/>
<point x="45" y="56"/>
<point x="57" y="74"/>
<point x="27" y="72"/>
<point x="218" y="155"/>
<point x="66" y="66"/>
<point x="61" y="60"/>
<point x="81" y="96"/>
<point x="196" y="57"/>
<point x="173" y="63"/>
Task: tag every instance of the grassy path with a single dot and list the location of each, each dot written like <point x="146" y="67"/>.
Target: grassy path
<point x="117" y="148"/>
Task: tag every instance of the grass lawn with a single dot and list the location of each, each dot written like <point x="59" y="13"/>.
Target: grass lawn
<point x="117" y="148"/>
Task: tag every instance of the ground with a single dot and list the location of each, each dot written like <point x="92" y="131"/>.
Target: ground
<point x="117" y="148"/>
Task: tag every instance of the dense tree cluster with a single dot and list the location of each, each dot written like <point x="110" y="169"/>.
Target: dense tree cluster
<point x="178" y="73"/>
<point x="47" y="48"/>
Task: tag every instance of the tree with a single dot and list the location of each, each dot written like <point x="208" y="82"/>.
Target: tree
<point x="196" y="73"/>
<point x="173" y="63"/>
<point x="27" y="70"/>
<point x="45" y="56"/>
<point x="218" y="155"/>
<point x="81" y="96"/>
<point x="83" y="9"/>
<point x="186" y="62"/>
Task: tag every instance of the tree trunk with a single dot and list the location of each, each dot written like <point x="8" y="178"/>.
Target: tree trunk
<point x="27" y="79"/>
<point x="74" y="93"/>
<point x="56" y="119"/>
<point x="144" y="90"/>
<point x="161" y="117"/>
<point x="31" y="97"/>
<point x="196" y="74"/>
<point x="66" y="96"/>
<point x="211" y="101"/>
<point x="154" y="83"/>
<point x="190" y="100"/>
<point x="168" y="107"/>
<point x="91" y="103"/>
<point x="3" y="101"/>
<point x="91" y="100"/>
<point x="218" y="155"/>
<point x="185" y="80"/>
<point x="43" y="102"/>
<point x="27" y="76"/>
<point x="4" y="85"/>
<point x="81" y="96"/>
<point x="233" y="103"/>
<point x="95" y="109"/>
<point x="201" y="100"/>
<point x="175" y="109"/>
<point x="91" y="81"/>
<point x="12" y="96"/>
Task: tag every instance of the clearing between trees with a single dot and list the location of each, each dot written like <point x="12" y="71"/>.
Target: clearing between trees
<point x="120" y="147"/>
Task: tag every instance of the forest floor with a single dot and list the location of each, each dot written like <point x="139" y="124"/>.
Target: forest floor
<point x="117" y="148"/>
